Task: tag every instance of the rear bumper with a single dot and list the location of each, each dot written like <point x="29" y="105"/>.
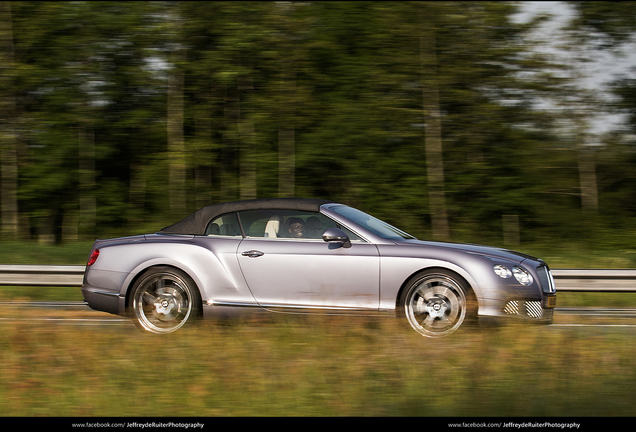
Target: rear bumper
<point x="102" y="301"/>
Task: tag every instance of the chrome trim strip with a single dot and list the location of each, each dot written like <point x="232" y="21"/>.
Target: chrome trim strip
<point x="334" y="308"/>
<point x="287" y="306"/>
<point x="106" y="293"/>
<point x="231" y="304"/>
<point x="544" y="272"/>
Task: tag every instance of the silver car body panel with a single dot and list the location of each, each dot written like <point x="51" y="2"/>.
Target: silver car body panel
<point x="313" y="274"/>
<point x="305" y="275"/>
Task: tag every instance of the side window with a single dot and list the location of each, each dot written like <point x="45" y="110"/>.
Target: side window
<point x="285" y="224"/>
<point x="353" y="237"/>
<point x="224" y="225"/>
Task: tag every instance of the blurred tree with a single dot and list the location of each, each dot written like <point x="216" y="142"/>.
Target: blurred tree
<point x="175" y="116"/>
<point x="486" y="80"/>
<point x="89" y="93"/>
<point x="612" y="26"/>
<point x="53" y="95"/>
<point x="578" y="106"/>
<point x="8" y="133"/>
<point x="610" y="23"/>
<point x="432" y="121"/>
<point x="135" y="113"/>
<point x="224" y="47"/>
<point x="207" y="158"/>
<point x="286" y="64"/>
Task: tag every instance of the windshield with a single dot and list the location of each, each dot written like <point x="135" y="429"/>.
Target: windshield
<point x="375" y="225"/>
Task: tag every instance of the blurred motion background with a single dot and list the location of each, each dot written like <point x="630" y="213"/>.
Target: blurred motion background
<point x="504" y="123"/>
<point x="464" y="121"/>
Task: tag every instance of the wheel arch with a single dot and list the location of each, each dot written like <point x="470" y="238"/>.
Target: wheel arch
<point x="143" y="271"/>
<point x="471" y="290"/>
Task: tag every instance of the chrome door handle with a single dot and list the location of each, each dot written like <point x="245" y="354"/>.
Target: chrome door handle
<point x="252" y="253"/>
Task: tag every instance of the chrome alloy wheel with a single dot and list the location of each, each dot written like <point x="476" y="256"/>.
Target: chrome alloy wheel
<point x="435" y="305"/>
<point x="163" y="301"/>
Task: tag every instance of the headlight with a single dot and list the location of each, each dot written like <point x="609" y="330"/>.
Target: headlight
<point x="502" y="271"/>
<point x="522" y="276"/>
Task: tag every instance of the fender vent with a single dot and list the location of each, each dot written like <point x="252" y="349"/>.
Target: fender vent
<point x="512" y="308"/>
<point x="534" y="309"/>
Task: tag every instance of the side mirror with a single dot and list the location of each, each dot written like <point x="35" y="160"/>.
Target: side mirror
<point x="335" y="235"/>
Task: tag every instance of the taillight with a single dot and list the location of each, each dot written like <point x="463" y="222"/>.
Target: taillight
<point x="93" y="257"/>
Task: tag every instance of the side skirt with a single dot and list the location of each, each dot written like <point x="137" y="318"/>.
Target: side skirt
<point x="230" y="310"/>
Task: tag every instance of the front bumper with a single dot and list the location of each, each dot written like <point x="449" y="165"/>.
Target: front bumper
<point x="524" y="309"/>
<point x="529" y="309"/>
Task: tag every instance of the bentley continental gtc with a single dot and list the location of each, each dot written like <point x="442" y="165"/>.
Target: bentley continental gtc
<point x="293" y="255"/>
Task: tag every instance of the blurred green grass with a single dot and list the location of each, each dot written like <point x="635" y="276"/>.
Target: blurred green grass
<point x="40" y="293"/>
<point x="33" y="253"/>
<point x="314" y="366"/>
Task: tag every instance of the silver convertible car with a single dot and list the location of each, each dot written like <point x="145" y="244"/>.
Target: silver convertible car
<point x="292" y="255"/>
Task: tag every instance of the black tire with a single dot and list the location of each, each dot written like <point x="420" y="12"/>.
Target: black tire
<point x="435" y="303"/>
<point x="163" y="300"/>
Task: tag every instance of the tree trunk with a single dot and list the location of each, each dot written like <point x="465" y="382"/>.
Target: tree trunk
<point x="176" y="143"/>
<point x="247" y="164"/>
<point x="289" y="29"/>
<point x="286" y="163"/>
<point x="202" y="152"/>
<point x="87" y="201"/>
<point x="247" y="150"/>
<point x="229" y="147"/>
<point x="137" y="194"/>
<point x="46" y="227"/>
<point x="587" y="179"/>
<point x="8" y="137"/>
<point x="433" y="131"/>
<point x="287" y="134"/>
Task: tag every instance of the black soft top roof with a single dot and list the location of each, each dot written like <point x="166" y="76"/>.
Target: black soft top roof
<point x="196" y="223"/>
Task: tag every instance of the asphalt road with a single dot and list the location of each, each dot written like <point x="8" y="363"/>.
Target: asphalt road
<point x="77" y="313"/>
<point x="594" y="317"/>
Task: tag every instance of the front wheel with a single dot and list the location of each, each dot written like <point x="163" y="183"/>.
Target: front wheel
<point x="436" y="303"/>
<point x="163" y="300"/>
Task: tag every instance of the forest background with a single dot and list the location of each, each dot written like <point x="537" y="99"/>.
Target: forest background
<point x="442" y="118"/>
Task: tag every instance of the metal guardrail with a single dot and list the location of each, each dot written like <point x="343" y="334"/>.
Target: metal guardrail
<point x="566" y="280"/>
<point x="596" y="280"/>
<point x="36" y="275"/>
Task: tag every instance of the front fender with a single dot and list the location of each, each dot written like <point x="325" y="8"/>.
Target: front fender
<point x="396" y="271"/>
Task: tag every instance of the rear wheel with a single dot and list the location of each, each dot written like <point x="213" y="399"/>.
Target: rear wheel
<point x="436" y="303"/>
<point x="163" y="300"/>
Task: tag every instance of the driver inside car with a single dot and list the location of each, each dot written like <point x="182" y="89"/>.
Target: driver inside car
<point x="296" y="227"/>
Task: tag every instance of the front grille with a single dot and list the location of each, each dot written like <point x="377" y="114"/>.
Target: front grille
<point x="531" y="309"/>
<point x="545" y="279"/>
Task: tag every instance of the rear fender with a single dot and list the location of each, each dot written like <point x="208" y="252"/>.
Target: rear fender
<point x="215" y="272"/>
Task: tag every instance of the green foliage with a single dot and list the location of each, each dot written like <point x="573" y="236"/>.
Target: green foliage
<point x="615" y="21"/>
<point x="319" y="99"/>
<point x="33" y="253"/>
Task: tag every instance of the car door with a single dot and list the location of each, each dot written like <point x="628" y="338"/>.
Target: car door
<point x="287" y="271"/>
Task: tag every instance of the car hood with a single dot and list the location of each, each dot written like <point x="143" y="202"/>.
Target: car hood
<point x="486" y="251"/>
